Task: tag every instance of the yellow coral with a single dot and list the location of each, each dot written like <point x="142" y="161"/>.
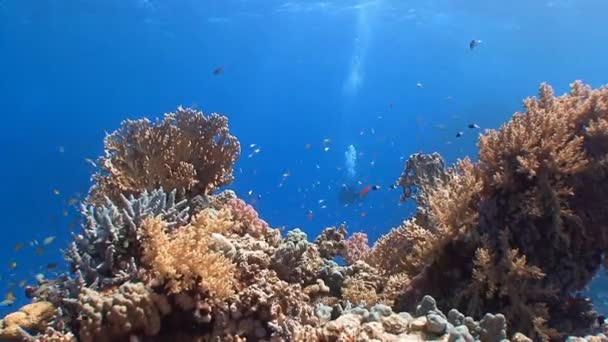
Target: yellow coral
<point x="183" y="258"/>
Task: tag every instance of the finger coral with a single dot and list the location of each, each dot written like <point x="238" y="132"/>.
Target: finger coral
<point x="186" y="150"/>
<point x="131" y="309"/>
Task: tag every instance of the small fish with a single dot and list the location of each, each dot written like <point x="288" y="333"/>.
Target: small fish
<point x="250" y="192"/>
<point x="379" y="117"/>
<point x="601" y="319"/>
<point x="365" y="190"/>
<point x="473" y="126"/>
<point x="309" y="215"/>
<point x="326" y="141"/>
<point x="39" y="250"/>
<point x="257" y="150"/>
<point x="12" y="264"/>
<point x="56" y="192"/>
<point x="285" y="174"/>
<point x="48" y="240"/>
<point x="326" y="149"/>
<point x="474" y="43"/>
<point x="90" y="161"/>
<point x="307" y="146"/>
<point x="51" y="266"/>
<point x="61" y="149"/>
<point x="448" y="98"/>
<point x="18" y="246"/>
<point x="323" y="206"/>
<point x="218" y="71"/>
<point x="72" y="200"/>
<point x="393" y="186"/>
<point x="375" y="187"/>
<point x="459" y="134"/>
<point x="22" y="283"/>
<point x="6" y="302"/>
<point x="363" y="214"/>
<point x="419" y="85"/>
<point x="252" y="145"/>
<point x="321" y="201"/>
<point x="39" y="277"/>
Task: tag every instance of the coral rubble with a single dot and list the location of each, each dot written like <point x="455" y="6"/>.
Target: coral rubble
<point x="503" y="242"/>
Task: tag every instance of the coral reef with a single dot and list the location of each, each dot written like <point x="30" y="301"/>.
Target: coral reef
<point x="503" y="242"/>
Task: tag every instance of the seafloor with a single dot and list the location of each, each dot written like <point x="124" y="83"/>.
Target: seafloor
<point x="499" y="248"/>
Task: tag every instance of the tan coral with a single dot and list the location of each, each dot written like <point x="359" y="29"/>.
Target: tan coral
<point x="186" y="150"/>
<point x="183" y="259"/>
<point x="31" y="317"/>
<point x="130" y="309"/>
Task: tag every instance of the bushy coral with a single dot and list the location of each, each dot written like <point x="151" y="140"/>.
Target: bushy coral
<point x="183" y="260"/>
<point x="522" y="228"/>
<point x="186" y="150"/>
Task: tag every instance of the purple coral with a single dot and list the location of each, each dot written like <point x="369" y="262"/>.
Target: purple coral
<point x="244" y="213"/>
<point x="357" y="247"/>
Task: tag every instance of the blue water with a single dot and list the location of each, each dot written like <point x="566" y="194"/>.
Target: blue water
<point x="295" y="73"/>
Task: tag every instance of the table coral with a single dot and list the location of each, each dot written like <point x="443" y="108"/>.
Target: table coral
<point x="186" y="150"/>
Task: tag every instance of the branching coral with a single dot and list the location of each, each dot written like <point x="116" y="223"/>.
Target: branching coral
<point x="186" y="150"/>
<point x="106" y="250"/>
<point x="183" y="259"/>
<point x="523" y="227"/>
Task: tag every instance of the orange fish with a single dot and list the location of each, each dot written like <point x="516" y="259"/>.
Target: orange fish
<point x="365" y="190"/>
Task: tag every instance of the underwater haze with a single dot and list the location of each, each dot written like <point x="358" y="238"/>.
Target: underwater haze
<point x="327" y="98"/>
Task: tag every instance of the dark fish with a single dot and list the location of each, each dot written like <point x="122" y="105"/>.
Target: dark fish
<point x="601" y="319"/>
<point x="472" y="125"/>
<point x="375" y="187"/>
<point x="393" y="186"/>
<point x="459" y="134"/>
<point x="474" y="43"/>
<point x="51" y="266"/>
<point x="218" y="71"/>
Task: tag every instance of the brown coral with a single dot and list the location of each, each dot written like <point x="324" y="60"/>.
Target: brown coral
<point x="526" y="220"/>
<point x="115" y="315"/>
<point x="186" y="150"/>
<point x="183" y="259"/>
